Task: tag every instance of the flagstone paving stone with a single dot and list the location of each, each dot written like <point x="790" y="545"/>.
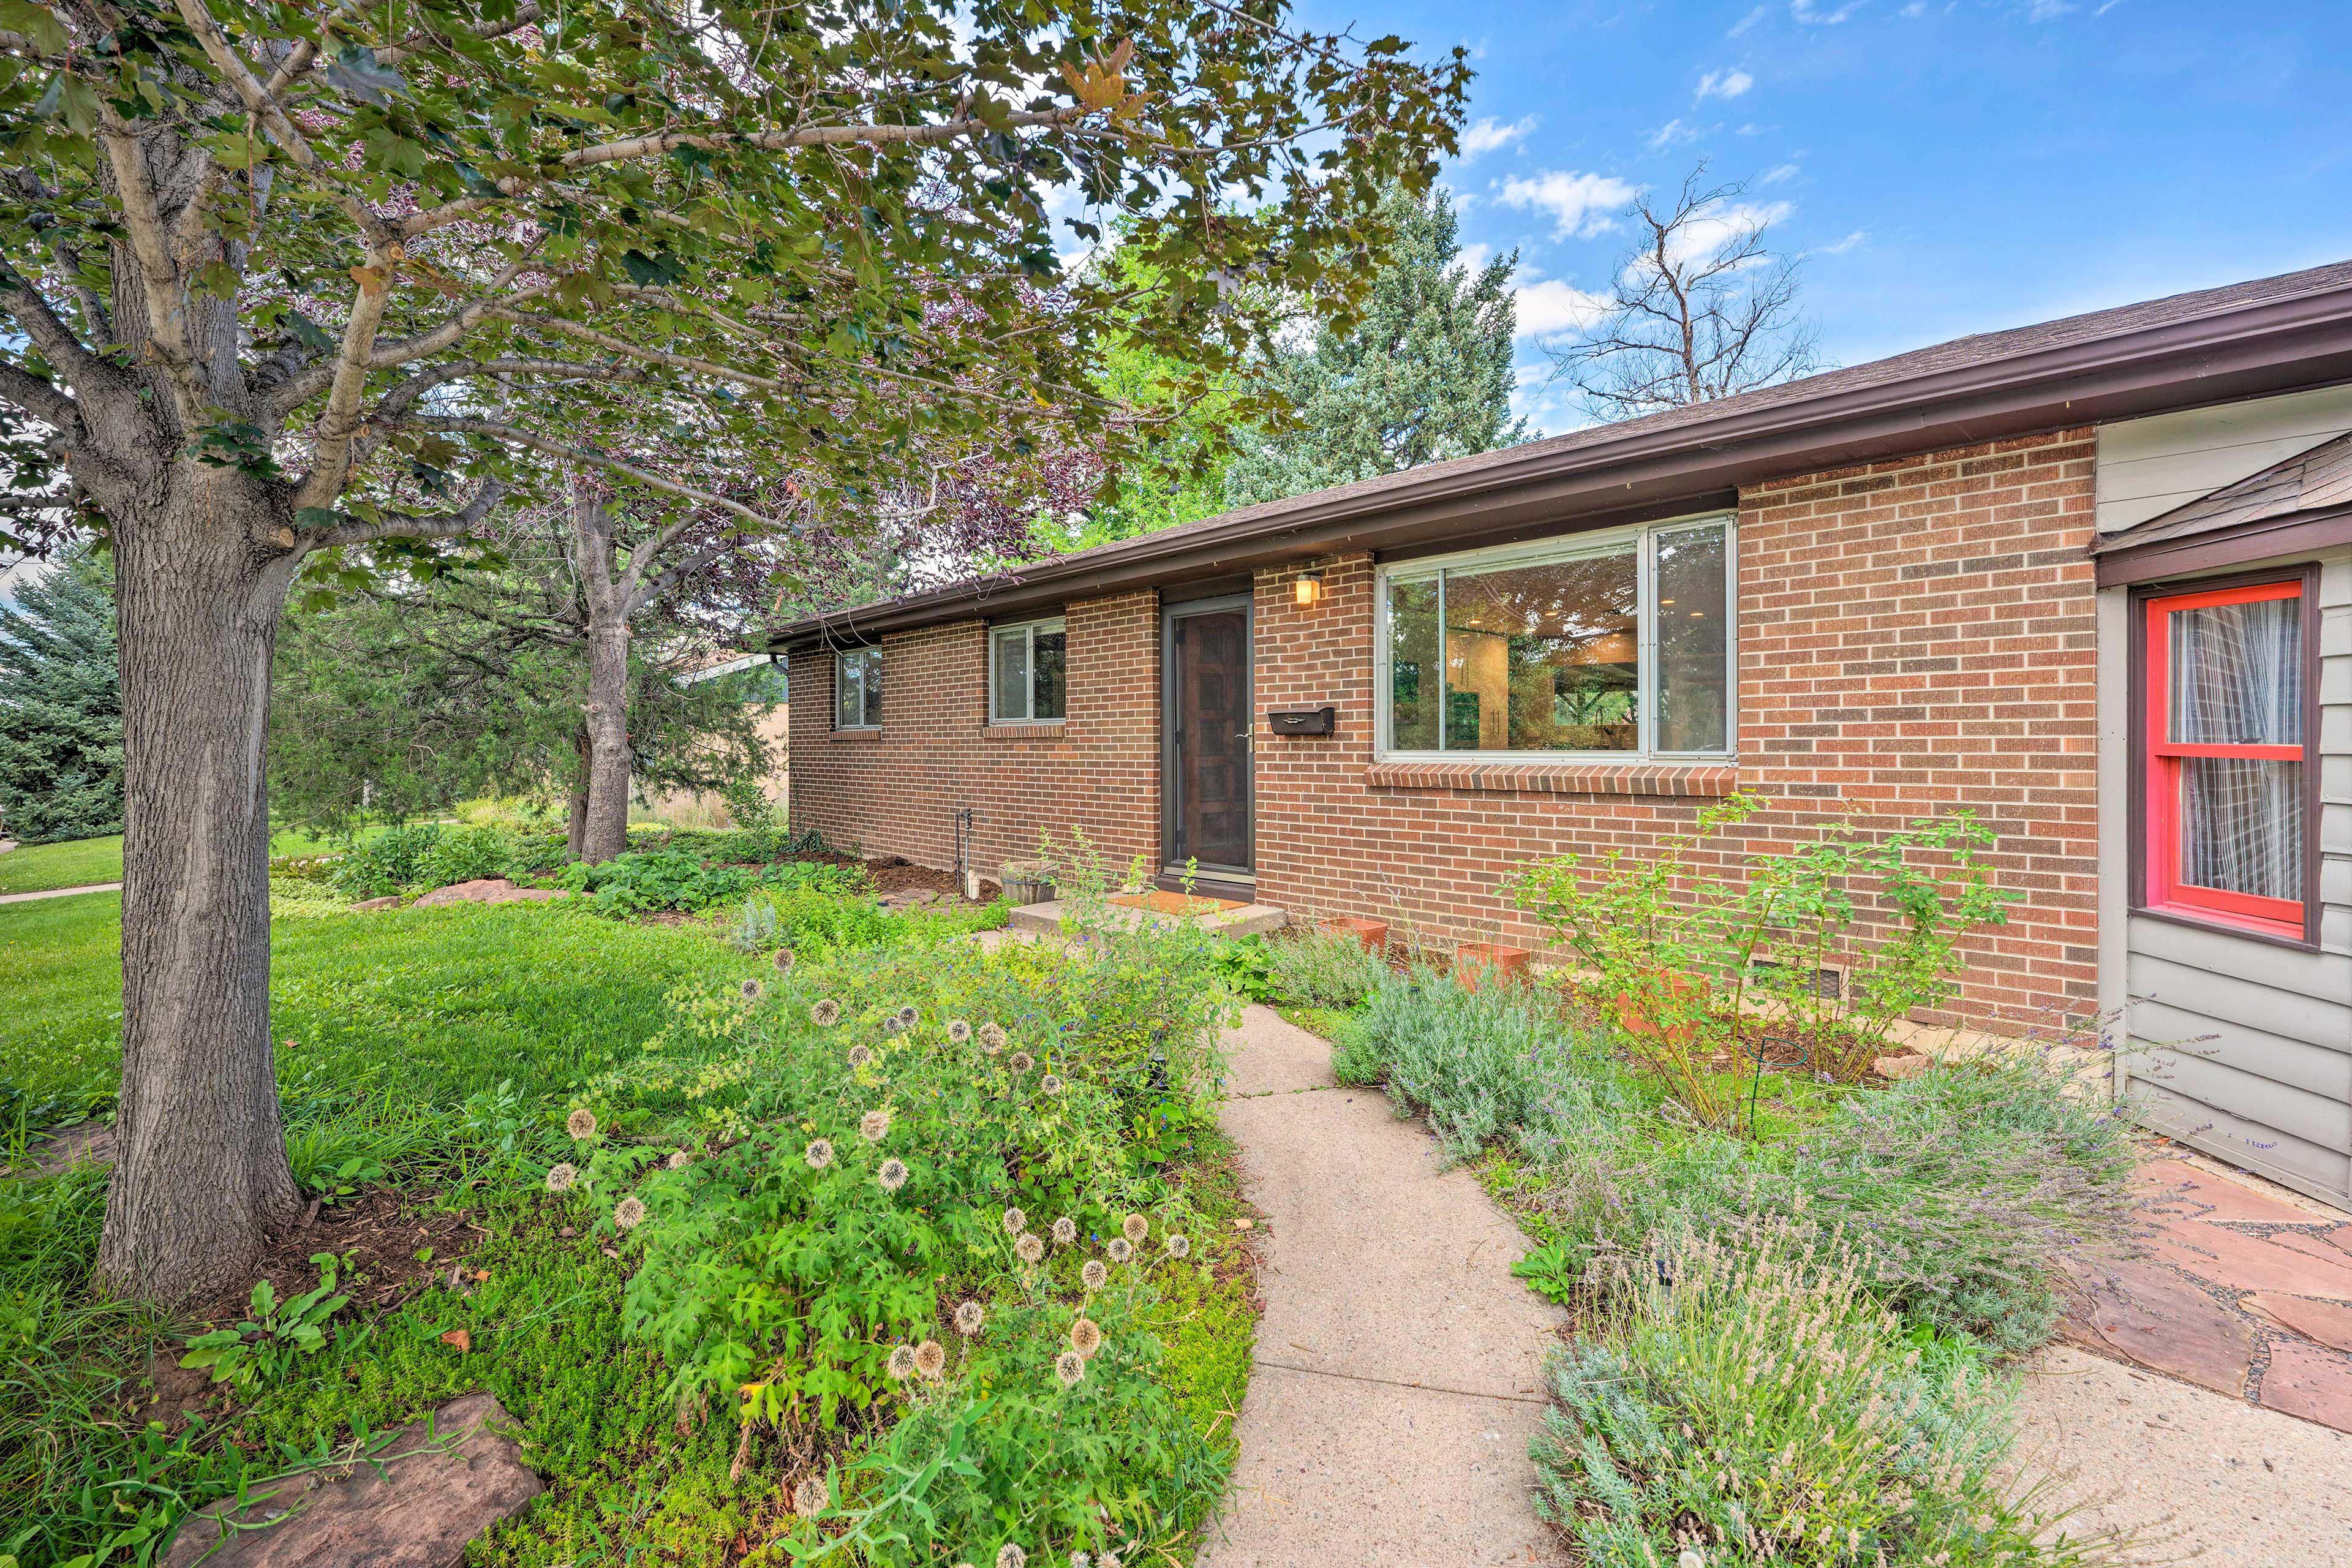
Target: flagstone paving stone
<point x="2326" y="1322"/>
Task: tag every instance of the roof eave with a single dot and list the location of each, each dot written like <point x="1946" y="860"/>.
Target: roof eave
<point x="2279" y="345"/>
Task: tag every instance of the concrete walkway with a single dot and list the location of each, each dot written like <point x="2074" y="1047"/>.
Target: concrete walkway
<point x="1397" y="1370"/>
<point x="59" y="892"/>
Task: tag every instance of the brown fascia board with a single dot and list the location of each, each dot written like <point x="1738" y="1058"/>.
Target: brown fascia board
<point x="2281" y="345"/>
<point x="2215" y="550"/>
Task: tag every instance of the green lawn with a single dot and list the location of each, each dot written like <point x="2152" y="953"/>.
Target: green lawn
<point x="83" y="862"/>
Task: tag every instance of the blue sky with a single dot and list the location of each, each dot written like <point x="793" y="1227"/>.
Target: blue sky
<point x="1946" y="166"/>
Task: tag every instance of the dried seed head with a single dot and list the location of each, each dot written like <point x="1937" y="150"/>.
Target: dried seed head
<point x="1050" y="1084"/>
<point x="1066" y="1231"/>
<point x="629" y="1213"/>
<point x="930" y="1358"/>
<point x="1135" y="1227"/>
<point x="826" y="1014"/>
<point x="908" y="1016"/>
<point x="1179" y="1245"/>
<point x="561" y="1176"/>
<point x="874" y="1126"/>
<point x="784" y="961"/>
<point x="1011" y="1556"/>
<point x="1095" y="1275"/>
<point x="892" y="1176"/>
<point x="810" y="1497"/>
<point x="1021" y="1061"/>
<point x="860" y="1054"/>
<point x="959" y="1031"/>
<point x="678" y="1159"/>
<point x="1016" y="1222"/>
<point x="992" y="1038"/>
<point x="1108" y="1560"/>
<point x="892" y="1025"/>
<point x="1120" y="1249"/>
<point x="819" y="1154"/>
<point x="969" y="1317"/>
<point x="1085" y="1337"/>
<point x="580" y="1124"/>
<point x="902" y="1362"/>
<point x="1029" y="1248"/>
<point x="751" y="989"/>
<point x="1068" y="1367"/>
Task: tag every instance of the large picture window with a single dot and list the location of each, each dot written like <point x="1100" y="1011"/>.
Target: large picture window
<point x="2226" y="755"/>
<point x="1612" y="646"/>
<point x="1028" y="666"/>
<point x="857" y="689"/>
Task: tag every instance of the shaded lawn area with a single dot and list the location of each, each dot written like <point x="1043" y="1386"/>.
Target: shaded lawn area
<point x="424" y="1007"/>
<point x="85" y="862"/>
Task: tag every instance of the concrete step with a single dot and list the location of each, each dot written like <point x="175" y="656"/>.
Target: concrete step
<point x="1250" y="920"/>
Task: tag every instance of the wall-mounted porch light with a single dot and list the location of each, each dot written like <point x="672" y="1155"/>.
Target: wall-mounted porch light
<point x="1308" y="589"/>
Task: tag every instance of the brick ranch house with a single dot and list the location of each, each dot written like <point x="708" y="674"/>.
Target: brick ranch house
<point x="2090" y="580"/>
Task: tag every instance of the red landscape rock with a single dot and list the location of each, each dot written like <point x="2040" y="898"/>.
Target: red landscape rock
<point x="486" y="890"/>
<point x="2309" y="1381"/>
<point x="390" y="901"/>
<point x="2329" y="1322"/>
<point x="416" y="1510"/>
<point x="2184" y="1192"/>
<point x="2143" y="1313"/>
<point x="2245" y="1262"/>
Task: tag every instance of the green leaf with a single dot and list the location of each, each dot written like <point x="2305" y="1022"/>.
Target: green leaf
<point x="355" y="72"/>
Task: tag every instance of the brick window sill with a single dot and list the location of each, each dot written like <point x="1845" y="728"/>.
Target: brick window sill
<point x="854" y="734"/>
<point x="1687" y="780"/>
<point x="1050" y="731"/>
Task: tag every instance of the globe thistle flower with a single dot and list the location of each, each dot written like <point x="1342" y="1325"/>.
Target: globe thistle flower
<point x="678" y="1159"/>
<point x="561" y="1176"/>
<point x="1011" y="1556"/>
<point x="874" y="1126"/>
<point x="1066" y="1231"/>
<point x="810" y="1497"/>
<point x="1179" y="1245"/>
<point x="1080" y="1560"/>
<point x="826" y="1014"/>
<point x="969" y="1316"/>
<point x="860" y="1055"/>
<point x="819" y="1154"/>
<point x="1085" y="1337"/>
<point x="992" y="1038"/>
<point x="891" y="1027"/>
<point x="908" y="1016"/>
<point x="1095" y="1275"/>
<point x="580" y="1124"/>
<point x="1135" y="1227"/>
<point x="1108" y="1560"/>
<point x="1050" y="1084"/>
<point x="784" y="961"/>
<point x="1016" y="1222"/>
<point x="750" y="990"/>
<point x="959" y="1031"/>
<point x="1120" y="1249"/>
<point x="892" y="1176"/>
<point x="1029" y="1248"/>
<point x="1022" y="1062"/>
<point x="629" y="1213"/>
<point x="930" y="1358"/>
<point x="1068" y="1367"/>
<point x="902" y="1362"/>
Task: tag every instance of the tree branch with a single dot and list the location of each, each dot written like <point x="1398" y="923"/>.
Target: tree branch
<point x="159" y="276"/>
<point x="502" y="431"/>
<point x="42" y="401"/>
<point x="408" y="525"/>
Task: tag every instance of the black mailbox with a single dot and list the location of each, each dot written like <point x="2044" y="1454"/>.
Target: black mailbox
<point x="1304" y="720"/>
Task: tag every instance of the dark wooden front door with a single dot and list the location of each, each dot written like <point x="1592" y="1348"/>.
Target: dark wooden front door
<point x="1209" y="777"/>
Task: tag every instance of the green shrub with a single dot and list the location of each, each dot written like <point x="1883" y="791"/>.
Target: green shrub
<point x="1476" y="1061"/>
<point x="1311" y="967"/>
<point x="1754" y="1404"/>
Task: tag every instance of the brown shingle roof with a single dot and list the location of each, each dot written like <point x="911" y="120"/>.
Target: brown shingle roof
<point x="2316" y="479"/>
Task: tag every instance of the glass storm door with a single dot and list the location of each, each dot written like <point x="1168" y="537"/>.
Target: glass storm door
<point x="1209" y="735"/>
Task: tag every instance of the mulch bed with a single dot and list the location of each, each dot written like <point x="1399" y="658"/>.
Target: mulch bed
<point x="380" y="1229"/>
<point x="897" y="874"/>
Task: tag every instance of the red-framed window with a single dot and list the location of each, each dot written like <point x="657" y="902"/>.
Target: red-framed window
<point x="2227" y="756"/>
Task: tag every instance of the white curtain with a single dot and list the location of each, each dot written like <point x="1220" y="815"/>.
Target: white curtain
<point x="2237" y="679"/>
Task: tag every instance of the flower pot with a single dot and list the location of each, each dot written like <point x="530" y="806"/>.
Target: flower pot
<point x="1028" y="883"/>
<point x="1373" y="934"/>
<point x="1476" y="961"/>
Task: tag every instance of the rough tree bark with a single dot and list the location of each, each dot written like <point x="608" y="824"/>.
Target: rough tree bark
<point x="577" y="833"/>
<point x="605" y="830"/>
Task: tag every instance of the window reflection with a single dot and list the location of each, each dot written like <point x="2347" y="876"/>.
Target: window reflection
<point x="1544" y="657"/>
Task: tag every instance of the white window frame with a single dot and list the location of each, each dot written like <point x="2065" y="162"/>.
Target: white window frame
<point x="1029" y="698"/>
<point x="842" y="658"/>
<point x="1644" y="537"/>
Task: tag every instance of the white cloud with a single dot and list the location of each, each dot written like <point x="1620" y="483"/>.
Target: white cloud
<point x="1782" y="176"/>
<point x="1843" y="246"/>
<point x="1580" y="204"/>
<point x="1673" y="133"/>
<point x="1716" y="226"/>
<point x="2047" y="10"/>
<point x="1749" y="21"/>
<point x="1489" y="135"/>
<point x="1551" y="307"/>
<point x="1473" y="258"/>
<point x="1752" y="129"/>
<point x="1724" y="84"/>
<point x="1806" y="13"/>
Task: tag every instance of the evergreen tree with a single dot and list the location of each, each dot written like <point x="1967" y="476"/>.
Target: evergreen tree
<point x="61" y="706"/>
<point x="1424" y="376"/>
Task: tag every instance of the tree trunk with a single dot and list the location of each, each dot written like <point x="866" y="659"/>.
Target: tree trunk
<point x="200" y="1176"/>
<point x="576" y="835"/>
<point x="606" y="830"/>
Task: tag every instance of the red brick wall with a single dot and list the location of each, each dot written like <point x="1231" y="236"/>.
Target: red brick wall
<point x="897" y="791"/>
<point x="1914" y="635"/>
